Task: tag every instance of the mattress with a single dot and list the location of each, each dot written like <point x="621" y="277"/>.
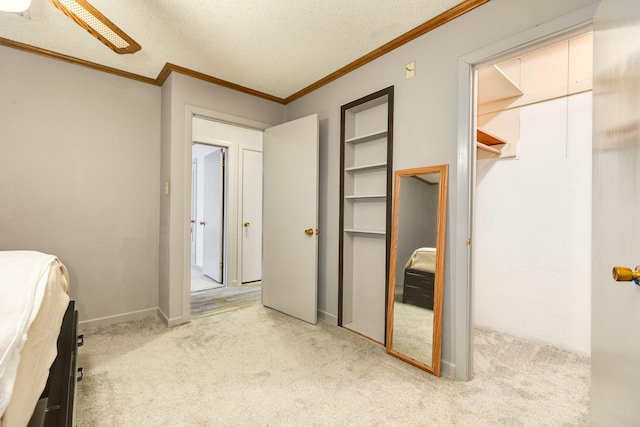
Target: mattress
<point x="422" y="259"/>
<point x="34" y="289"/>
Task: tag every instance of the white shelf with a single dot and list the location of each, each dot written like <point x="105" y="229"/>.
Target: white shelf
<point x="368" y="137"/>
<point x="366" y="196"/>
<point x="495" y="85"/>
<point x="362" y="231"/>
<point x="364" y="168"/>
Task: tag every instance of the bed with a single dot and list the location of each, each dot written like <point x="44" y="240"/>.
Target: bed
<point x="38" y="341"/>
<point x="419" y="278"/>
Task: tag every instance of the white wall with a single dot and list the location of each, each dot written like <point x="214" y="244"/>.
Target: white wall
<point x="533" y="230"/>
<point x="425" y="126"/>
<point x="79" y="174"/>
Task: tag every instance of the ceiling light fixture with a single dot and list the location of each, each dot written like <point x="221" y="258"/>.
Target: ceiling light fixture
<point x="16" y="6"/>
<point x="89" y="18"/>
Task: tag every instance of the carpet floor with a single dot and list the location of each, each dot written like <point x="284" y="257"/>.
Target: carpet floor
<point x="257" y="367"/>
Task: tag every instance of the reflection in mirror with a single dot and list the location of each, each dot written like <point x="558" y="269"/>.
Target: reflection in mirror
<point x="416" y="270"/>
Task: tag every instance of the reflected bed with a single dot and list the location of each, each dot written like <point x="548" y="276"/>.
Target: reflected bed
<point x="419" y="277"/>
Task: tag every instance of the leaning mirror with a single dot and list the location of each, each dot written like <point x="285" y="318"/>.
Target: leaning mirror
<point x="416" y="268"/>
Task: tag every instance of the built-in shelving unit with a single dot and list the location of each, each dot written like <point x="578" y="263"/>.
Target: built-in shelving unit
<point x="496" y="92"/>
<point x="365" y="213"/>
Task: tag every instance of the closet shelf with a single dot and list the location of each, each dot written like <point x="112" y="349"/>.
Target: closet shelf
<point x="366" y="138"/>
<point x="486" y="138"/>
<point x="363" y="231"/>
<point x="495" y="85"/>
<point x="484" y="147"/>
<point x="366" y="167"/>
<point x="365" y="196"/>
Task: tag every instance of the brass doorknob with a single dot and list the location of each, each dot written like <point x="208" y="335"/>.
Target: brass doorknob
<point x="201" y="222"/>
<point x="309" y="231"/>
<point x="625" y="274"/>
<point x="246" y="224"/>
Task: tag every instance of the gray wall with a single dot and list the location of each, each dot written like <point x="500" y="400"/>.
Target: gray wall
<point x="179" y="93"/>
<point x="425" y="126"/>
<point x="79" y="173"/>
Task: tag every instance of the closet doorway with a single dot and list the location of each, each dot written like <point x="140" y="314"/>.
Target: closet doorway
<point x="531" y="235"/>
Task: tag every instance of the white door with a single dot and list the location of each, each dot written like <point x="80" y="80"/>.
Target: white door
<point x="290" y="218"/>
<point x="615" y="307"/>
<point x="251" y="216"/>
<point x="213" y="219"/>
<point x="194" y="204"/>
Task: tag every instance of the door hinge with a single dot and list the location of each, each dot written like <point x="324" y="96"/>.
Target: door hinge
<point x="469" y="243"/>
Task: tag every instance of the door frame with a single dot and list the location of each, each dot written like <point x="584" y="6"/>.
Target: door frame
<point x="580" y="21"/>
<point x="194" y="205"/>
<point x="233" y="151"/>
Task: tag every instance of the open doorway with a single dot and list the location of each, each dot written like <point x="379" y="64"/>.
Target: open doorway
<point x="532" y="200"/>
<point x="226" y="221"/>
<point x="208" y="225"/>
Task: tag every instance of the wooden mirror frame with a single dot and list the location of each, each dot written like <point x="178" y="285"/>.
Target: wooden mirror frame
<point x="441" y="228"/>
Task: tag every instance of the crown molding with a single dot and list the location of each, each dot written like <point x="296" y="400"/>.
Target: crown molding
<point x="66" y="58"/>
<point x="428" y="26"/>
<point x="172" y="68"/>
<point x="169" y="68"/>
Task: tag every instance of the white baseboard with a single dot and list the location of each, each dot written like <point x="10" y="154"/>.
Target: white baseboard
<point x="327" y="317"/>
<point x="447" y="369"/>
<point x="118" y="318"/>
<point x="169" y="322"/>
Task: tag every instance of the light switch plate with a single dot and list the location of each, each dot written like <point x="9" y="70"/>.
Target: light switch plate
<point x="410" y="69"/>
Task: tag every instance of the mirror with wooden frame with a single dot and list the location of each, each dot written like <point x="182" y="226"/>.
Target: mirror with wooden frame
<point x="416" y="268"/>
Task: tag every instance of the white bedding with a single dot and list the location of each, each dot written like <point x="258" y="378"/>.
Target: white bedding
<point x="34" y="289"/>
<point x="422" y="259"/>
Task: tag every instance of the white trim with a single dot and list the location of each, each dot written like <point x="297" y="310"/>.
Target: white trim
<point x="447" y="369"/>
<point x="119" y="318"/>
<point x="563" y="27"/>
<point x="169" y="322"/>
<point x="327" y="317"/>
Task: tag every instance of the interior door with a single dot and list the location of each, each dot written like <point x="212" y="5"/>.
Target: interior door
<point x="615" y="310"/>
<point x="194" y="204"/>
<point x="213" y="218"/>
<point x="290" y="218"/>
<point x="251" y="216"/>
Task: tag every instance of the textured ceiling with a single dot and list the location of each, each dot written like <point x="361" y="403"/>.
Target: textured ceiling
<point x="277" y="47"/>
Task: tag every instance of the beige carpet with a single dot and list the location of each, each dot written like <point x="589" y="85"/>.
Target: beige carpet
<point x="257" y="367"/>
